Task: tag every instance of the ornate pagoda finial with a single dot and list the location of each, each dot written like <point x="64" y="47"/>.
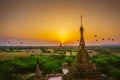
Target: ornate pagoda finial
<point x="81" y="20"/>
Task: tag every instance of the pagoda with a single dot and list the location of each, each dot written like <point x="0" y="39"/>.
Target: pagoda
<point x="82" y="69"/>
<point x="38" y="75"/>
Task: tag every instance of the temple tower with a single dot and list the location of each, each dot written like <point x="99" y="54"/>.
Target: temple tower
<point x="38" y="75"/>
<point x="82" y="55"/>
<point x="82" y="69"/>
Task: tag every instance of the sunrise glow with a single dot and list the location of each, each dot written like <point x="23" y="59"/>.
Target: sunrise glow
<point x="61" y="21"/>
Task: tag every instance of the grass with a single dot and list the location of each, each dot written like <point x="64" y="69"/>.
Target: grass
<point x="10" y="55"/>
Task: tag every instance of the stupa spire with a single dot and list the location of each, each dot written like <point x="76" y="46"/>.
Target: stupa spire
<point x="82" y="42"/>
<point x="38" y="75"/>
<point x="81" y="20"/>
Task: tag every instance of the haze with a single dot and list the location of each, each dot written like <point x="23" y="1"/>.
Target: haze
<point x="59" y="20"/>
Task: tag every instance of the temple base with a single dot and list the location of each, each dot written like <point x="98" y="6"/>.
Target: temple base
<point x="82" y="72"/>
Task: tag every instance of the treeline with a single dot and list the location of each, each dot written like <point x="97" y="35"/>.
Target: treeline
<point x="44" y="49"/>
<point x="56" y="48"/>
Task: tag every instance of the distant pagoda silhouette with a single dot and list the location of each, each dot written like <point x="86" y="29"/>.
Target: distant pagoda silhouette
<point x="82" y="69"/>
<point x="61" y="45"/>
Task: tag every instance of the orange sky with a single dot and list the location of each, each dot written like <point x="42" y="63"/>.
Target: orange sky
<point x="59" y="20"/>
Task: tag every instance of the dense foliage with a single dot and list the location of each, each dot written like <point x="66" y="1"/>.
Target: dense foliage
<point x="108" y="64"/>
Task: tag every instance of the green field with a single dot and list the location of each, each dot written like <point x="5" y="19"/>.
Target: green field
<point x="9" y="55"/>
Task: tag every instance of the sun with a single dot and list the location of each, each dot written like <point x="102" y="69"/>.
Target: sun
<point x="62" y="36"/>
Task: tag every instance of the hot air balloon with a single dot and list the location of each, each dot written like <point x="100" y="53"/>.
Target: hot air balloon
<point x="112" y="39"/>
<point x="4" y="41"/>
<point x="21" y="42"/>
<point x="95" y="36"/>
